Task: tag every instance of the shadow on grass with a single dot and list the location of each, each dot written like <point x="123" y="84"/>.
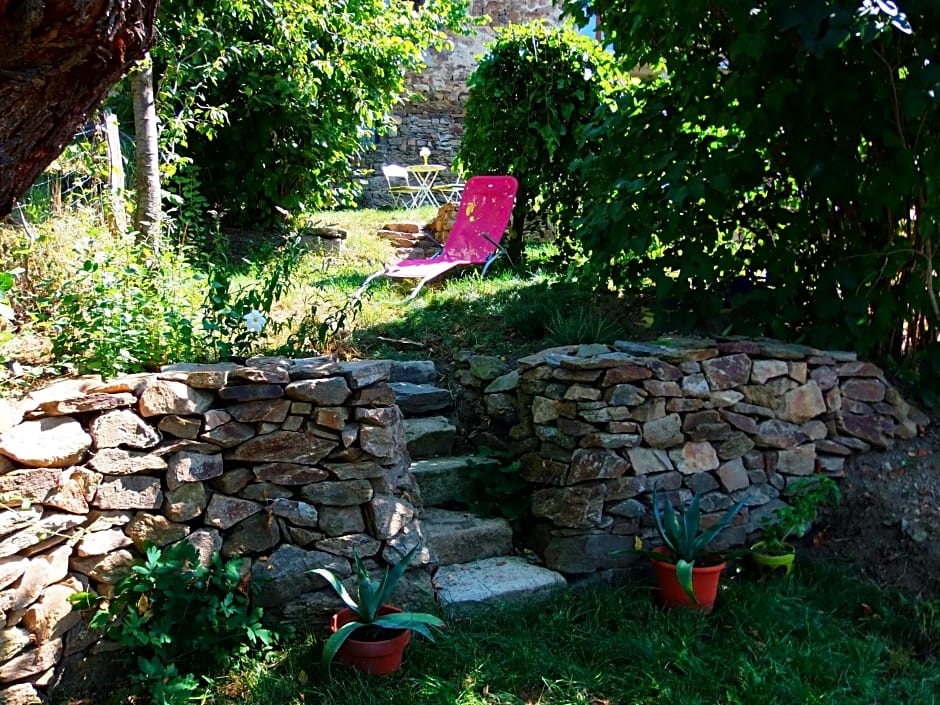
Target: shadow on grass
<point x="501" y="317"/>
<point x="824" y="636"/>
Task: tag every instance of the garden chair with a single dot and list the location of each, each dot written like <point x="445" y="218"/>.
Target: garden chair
<point x="482" y="219"/>
<point x="400" y="187"/>
<point x="451" y="193"/>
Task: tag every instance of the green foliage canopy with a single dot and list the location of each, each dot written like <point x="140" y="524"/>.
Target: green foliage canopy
<point x="781" y="176"/>
<point x="533" y="91"/>
<point x="267" y="104"/>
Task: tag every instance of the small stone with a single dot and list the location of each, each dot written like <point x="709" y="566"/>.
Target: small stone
<point x="694" y="457"/>
<point x="192" y="467"/>
<point x="728" y="371"/>
<point x="339" y="521"/>
<point x="253" y="535"/>
<point x="251" y="392"/>
<point x="56" y="442"/>
<point x="797" y="461"/>
<point x="134" y="492"/>
<point x="153" y="529"/>
<point x="99" y="543"/>
<point x="338" y="493"/>
<point x="649" y="460"/>
<point x="123" y="428"/>
<point x="595" y="465"/>
<point x="732" y="475"/>
<point x="186" y="502"/>
<point x="224" y="512"/>
<point x="180" y="426"/>
<point x="283" y="446"/>
<point x="665" y="432"/>
<point x="297" y="513"/>
<point x="163" y="397"/>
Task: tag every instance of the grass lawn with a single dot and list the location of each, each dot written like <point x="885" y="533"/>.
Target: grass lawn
<point x="821" y="638"/>
<point x="513" y="311"/>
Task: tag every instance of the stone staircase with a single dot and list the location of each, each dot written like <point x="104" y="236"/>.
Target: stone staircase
<point x="471" y="557"/>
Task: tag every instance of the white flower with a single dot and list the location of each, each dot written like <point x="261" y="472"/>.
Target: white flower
<point x="588" y="73"/>
<point x="425" y="152"/>
<point x="254" y="321"/>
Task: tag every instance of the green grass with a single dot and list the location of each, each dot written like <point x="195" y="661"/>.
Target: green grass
<point x="821" y="638"/>
<point x="513" y="311"/>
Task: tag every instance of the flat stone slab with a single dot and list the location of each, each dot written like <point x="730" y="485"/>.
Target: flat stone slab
<point x="429" y="437"/>
<point x="499" y="580"/>
<point x="418" y="399"/>
<point x="460" y="537"/>
<point x="446" y="481"/>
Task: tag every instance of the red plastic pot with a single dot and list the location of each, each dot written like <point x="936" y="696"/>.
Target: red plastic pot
<point x="376" y="657"/>
<point x="704" y="584"/>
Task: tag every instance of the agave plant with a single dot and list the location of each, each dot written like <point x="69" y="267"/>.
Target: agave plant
<point x="371" y="595"/>
<point x="684" y="537"/>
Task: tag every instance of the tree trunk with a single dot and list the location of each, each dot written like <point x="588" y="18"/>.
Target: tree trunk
<point x="147" y="215"/>
<point x="57" y="62"/>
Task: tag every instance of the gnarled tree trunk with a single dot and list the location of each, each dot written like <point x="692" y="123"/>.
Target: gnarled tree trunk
<point x="58" y="58"/>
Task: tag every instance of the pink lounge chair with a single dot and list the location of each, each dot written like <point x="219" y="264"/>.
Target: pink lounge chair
<point x="482" y="218"/>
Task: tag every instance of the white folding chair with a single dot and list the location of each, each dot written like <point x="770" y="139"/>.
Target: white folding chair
<point x="399" y="186"/>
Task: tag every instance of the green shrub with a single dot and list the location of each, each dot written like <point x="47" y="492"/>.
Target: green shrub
<point x="179" y="619"/>
<point x="779" y="178"/>
<point x="127" y="310"/>
<point x="529" y="98"/>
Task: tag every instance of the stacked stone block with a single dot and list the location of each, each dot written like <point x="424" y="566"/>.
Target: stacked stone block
<point x="599" y="427"/>
<point x="291" y="464"/>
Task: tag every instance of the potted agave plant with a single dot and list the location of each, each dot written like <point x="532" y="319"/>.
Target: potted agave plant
<point x="369" y="633"/>
<point x="773" y="553"/>
<point x="687" y="573"/>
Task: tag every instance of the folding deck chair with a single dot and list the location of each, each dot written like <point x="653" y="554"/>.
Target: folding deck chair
<point x="482" y="218"/>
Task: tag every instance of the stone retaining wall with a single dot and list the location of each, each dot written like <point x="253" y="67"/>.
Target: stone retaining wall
<point x="289" y="463"/>
<point x="597" y="427"/>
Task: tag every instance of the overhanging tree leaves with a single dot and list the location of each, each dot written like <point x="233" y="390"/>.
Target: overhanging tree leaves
<point x="271" y="102"/>
<point x="57" y="62"/>
<point x="782" y="176"/>
<point x="533" y="91"/>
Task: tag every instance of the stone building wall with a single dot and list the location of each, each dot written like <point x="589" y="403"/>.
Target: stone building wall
<point x="290" y="464"/>
<point x="433" y="118"/>
<point x="597" y="427"/>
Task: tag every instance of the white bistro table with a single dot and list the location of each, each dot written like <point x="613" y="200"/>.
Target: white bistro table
<point x="425" y="176"/>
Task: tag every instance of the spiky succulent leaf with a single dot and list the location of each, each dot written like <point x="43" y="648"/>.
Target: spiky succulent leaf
<point x="391" y="577"/>
<point x="338" y="587"/>
<point x="415" y="621"/>
<point x="684" y="576"/>
<point x="337" y="639"/>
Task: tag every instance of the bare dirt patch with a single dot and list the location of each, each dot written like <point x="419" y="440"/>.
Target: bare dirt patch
<point x="888" y="524"/>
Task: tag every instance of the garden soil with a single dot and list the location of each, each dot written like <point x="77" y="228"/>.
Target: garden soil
<point x="887" y="526"/>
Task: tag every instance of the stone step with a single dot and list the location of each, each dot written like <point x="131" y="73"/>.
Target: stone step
<point x="421" y="399"/>
<point x="429" y="437"/>
<point x="459" y="537"/>
<point x="447" y="481"/>
<point x="469" y="587"/>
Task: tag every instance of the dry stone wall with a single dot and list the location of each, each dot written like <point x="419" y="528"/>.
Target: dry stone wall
<point x="597" y="427"/>
<point x="291" y="464"/>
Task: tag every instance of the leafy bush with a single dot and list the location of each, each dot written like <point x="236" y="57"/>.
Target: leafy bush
<point x="529" y="97"/>
<point x="779" y="177"/>
<point x="127" y="310"/>
<point x="180" y="619"/>
<point x="276" y="99"/>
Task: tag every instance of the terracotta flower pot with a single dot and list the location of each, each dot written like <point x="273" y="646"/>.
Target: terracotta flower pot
<point x="774" y="564"/>
<point x="704" y="584"/>
<point x="377" y="657"/>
